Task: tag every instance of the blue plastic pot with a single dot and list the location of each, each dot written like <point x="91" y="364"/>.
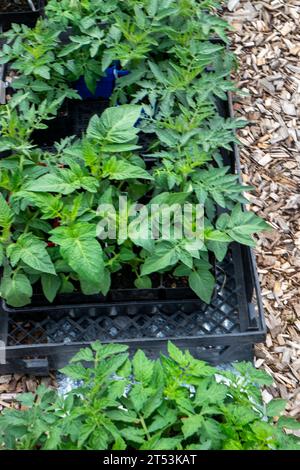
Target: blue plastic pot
<point x="105" y="86"/>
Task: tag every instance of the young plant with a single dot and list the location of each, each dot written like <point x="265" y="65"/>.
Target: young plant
<point x="173" y="403"/>
<point x="49" y="209"/>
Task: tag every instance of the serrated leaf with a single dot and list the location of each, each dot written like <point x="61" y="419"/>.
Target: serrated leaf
<point x="85" y="431"/>
<point x="6" y="215"/>
<point x="85" y="354"/>
<point x="119" y="444"/>
<point x="123" y="416"/>
<point x="153" y="403"/>
<point x="121" y="170"/>
<point x="288" y="423"/>
<point x="32" y="251"/>
<point x="260" y="377"/>
<point x="81" y="250"/>
<point x="191" y="425"/>
<point x="210" y="392"/>
<point x="176" y="354"/>
<point x="276" y="407"/>
<point x="43" y="71"/>
<point x="165" y="255"/>
<point x="133" y="434"/>
<point x="115" y="126"/>
<point x="142" y="367"/>
<point x="155" y="69"/>
<point x="107" y="350"/>
<point x="75" y="371"/>
<point x="40" y="86"/>
<point x="240" y="226"/>
<point x="51" y="184"/>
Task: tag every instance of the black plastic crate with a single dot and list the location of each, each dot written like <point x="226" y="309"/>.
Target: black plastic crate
<point x="73" y="119"/>
<point x="27" y="16"/>
<point x="82" y="111"/>
<point x="44" y="337"/>
<point x="115" y="296"/>
<point x="223" y="331"/>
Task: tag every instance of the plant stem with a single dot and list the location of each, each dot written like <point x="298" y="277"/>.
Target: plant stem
<point x="144" y="427"/>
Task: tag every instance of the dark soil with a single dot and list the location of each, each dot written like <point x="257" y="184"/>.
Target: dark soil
<point x="7" y="6"/>
<point x="125" y="278"/>
<point x="146" y="141"/>
<point x="170" y="281"/>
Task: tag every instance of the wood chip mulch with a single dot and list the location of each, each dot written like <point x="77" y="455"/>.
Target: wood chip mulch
<point x="13" y="384"/>
<point x="266" y="41"/>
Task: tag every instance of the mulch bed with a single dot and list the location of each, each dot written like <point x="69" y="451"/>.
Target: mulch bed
<point x="267" y="42"/>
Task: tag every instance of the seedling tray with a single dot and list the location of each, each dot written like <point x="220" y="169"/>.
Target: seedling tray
<point x="27" y="16"/>
<point x="225" y="330"/>
<point x="42" y="337"/>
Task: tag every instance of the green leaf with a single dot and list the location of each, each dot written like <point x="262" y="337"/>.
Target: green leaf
<point x="43" y="71"/>
<point x="51" y="184"/>
<point x="218" y="248"/>
<point x="75" y="371"/>
<point x="288" y="423"/>
<point x="115" y="126"/>
<point x="165" y="255"/>
<point x="160" y="422"/>
<point x="142" y="367"/>
<point x="32" y="251"/>
<point x="106" y="350"/>
<point x="27" y="399"/>
<point x="202" y="282"/>
<point x="121" y="170"/>
<point x="81" y="250"/>
<point x="216" y="235"/>
<point x="1" y="254"/>
<point x="85" y="354"/>
<point x="176" y="354"/>
<point x="139" y="396"/>
<point x="166" y="443"/>
<point x="40" y="86"/>
<point x="16" y="289"/>
<point x="53" y="439"/>
<point x="85" y="431"/>
<point x="143" y="282"/>
<point x="259" y="377"/>
<point x="51" y="285"/>
<point x="123" y="416"/>
<point x="220" y="185"/>
<point x="182" y="270"/>
<point x="158" y="73"/>
<point x="133" y="434"/>
<point x="210" y="392"/>
<point x="6" y="215"/>
<point x="153" y="403"/>
<point x="276" y="407"/>
<point x="240" y="225"/>
<point x="119" y="444"/>
<point x="85" y="256"/>
<point x="191" y="425"/>
<point x="211" y="430"/>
